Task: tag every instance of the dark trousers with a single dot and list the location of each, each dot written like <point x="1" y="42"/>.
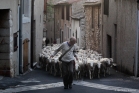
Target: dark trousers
<point x="67" y="72"/>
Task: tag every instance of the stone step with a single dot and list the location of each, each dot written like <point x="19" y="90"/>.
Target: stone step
<point x="5" y="64"/>
<point x="4" y="40"/>
<point x="5" y="48"/>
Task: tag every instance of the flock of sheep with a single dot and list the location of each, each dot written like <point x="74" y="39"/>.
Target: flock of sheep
<point x="89" y="64"/>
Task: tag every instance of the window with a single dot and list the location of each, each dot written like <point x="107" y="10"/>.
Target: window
<point x="62" y="12"/>
<point x="98" y="16"/>
<point x="76" y="34"/>
<point x="78" y="41"/>
<point x="15" y="41"/>
<point x="68" y="32"/>
<point x="67" y="12"/>
<point x="25" y="9"/>
<point x="106" y="7"/>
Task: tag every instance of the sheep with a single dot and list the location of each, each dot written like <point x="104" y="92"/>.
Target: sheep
<point x="106" y="64"/>
<point x="41" y="60"/>
<point x="76" y="70"/>
<point x="92" y="65"/>
<point x="89" y="62"/>
<point x="56" y="65"/>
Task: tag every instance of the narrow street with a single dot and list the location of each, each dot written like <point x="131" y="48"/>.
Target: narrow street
<point x="39" y="81"/>
<point x="82" y="38"/>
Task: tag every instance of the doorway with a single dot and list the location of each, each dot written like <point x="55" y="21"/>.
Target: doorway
<point x="25" y="55"/>
<point x="5" y="42"/>
<point x="109" y="46"/>
<point x="115" y="43"/>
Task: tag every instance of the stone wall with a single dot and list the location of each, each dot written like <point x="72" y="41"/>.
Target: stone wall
<point x="120" y="25"/>
<point x="126" y="34"/>
<point x="62" y="25"/>
<point x="78" y="22"/>
<point x="92" y="32"/>
<point x="38" y="18"/>
<point x="57" y="21"/>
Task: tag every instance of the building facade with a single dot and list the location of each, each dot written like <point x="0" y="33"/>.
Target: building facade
<point x="15" y="35"/>
<point x="93" y="20"/>
<point x="62" y="21"/>
<point x="9" y="37"/>
<point x="44" y="19"/>
<point x="26" y="37"/>
<point x="78" y="22"/>
<point x="119" y="33"/>
<point x="38" y="28"/>
<point x="50" y="20"/>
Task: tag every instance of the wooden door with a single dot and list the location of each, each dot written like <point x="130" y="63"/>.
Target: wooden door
<point x="25" y="55"/>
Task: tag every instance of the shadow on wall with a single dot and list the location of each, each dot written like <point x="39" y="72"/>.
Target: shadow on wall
<point x="5" y="43"/>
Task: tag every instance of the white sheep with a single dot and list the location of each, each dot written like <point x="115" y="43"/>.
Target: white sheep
<point x="106" y="63"/>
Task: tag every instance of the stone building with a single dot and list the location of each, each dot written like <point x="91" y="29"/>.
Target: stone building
<point x="49" y="23"/>
<point x="38" y="28"/>
<point x="62" y="20"/>
<point x="50" y="20"/>
<point x="15" y="35"/>
<point x="9" y="37"/>
<point x="61" y="29"/>
<point x="44" y="19"/>
<point x="78" y="22"/>
<point x="119" y="33"/>
<point x="93" y="24"/>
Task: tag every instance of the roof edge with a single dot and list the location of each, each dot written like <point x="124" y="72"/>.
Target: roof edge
<point x="92" y="3"/>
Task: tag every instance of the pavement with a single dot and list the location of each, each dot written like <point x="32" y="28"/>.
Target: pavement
<point x="40" y="81"/>
<point x="1" y="77"/>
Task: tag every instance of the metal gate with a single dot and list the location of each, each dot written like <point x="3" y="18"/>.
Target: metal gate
<point x="25" y="55"/>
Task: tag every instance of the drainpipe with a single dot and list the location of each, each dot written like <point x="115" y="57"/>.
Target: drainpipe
<point x="20" y="37"/>
<point x="32" y="33"/>
<point x="137" y="42"/>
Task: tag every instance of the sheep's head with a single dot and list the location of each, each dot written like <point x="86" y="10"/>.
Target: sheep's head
<point x="111" y="61"/>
